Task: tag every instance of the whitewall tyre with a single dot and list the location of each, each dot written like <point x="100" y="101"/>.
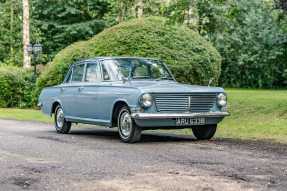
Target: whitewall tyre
<point x="62" y="126"/>
<point x="128" y="130"/>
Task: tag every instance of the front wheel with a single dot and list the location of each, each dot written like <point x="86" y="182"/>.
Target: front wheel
<point x="204" y="132"/>
<point x="128" y="130"/>
<point x="61" y="125"/>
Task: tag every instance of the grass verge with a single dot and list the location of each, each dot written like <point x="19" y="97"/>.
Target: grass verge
<point x="255" y="115"/>
<point x="24" y="115"/>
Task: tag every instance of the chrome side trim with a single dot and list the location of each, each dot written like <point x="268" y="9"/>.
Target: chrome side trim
<point x="176" y="115"/>
<point x="88" y="120"/>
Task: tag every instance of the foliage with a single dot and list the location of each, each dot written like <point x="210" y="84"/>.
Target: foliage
<point x="251" y="46"/>
<point x="191" y="58"/>
<point x="282" y="4"/>
<point x="176" y="11"/>
<point x="63" y="22"/>
<point x="248" y="36"/>
<point x="11" y="46"/>
<point x="249" y="39"/>
<point x="122" y="10"/>
<point x="10" y="30"/>
<point x="16" y="87"/>
<point x="54" y="23"/>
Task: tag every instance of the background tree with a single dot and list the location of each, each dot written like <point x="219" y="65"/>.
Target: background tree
<point x="282" y="4"/>
<point x="251" y="46"/>
<point x="26" y="34"/>
<point x="64" y="22"/>
<point x="10" y="30"/>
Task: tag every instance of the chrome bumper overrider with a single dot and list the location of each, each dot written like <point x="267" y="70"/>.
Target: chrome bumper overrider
<point x="177" y="115"/>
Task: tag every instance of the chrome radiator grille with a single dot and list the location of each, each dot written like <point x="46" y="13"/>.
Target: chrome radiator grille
<point x="184" y="102"/>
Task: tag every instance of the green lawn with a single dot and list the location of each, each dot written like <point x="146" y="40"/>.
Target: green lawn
<point x="24" y="115"/>
<point x="255" y="114"/>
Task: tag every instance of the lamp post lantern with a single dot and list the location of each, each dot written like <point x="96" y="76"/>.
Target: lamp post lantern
<point x="35" y="50"/>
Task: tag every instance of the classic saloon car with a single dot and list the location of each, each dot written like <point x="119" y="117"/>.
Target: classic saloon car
<point x="133" y="94"/>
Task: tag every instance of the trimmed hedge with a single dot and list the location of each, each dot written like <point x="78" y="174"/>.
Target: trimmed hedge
<point x="191" y="58"/>
<point x="16" y="87"/>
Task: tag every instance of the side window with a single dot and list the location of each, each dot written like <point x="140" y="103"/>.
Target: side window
<point x="141" y="71"/>
<point x="106" y="75"/>
<point x="78" y="72"/>
<point x="93" y="73"/>
<point x="68" y="77"/>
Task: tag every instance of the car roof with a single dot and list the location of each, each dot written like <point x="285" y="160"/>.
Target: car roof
<point x="117" y="57"/>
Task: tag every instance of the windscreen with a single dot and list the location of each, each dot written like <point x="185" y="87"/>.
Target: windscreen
<point x="134" y="68"/>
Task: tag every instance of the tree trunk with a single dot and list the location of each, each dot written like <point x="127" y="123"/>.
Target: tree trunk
<point x="11" y="29"/>
<point x="191" y="15"/>
<point x="122" y="8"/>
<point x="26" y="34"/>
<point x="139" y="8"/>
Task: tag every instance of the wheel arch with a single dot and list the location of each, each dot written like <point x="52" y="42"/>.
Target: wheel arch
<point x="54" y="106"/>
<point x="116" y="108"/>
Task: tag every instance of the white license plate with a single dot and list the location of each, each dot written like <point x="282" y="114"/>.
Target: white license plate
<point x="190" y="121"/>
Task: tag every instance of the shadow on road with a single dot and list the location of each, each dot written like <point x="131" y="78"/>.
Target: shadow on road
<point x="147" y="137"/>
<point x="165" y="137"/>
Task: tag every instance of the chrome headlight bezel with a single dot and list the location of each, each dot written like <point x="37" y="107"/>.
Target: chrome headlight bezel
<point x="146" y="100"/>
<point x="222" y="100"/>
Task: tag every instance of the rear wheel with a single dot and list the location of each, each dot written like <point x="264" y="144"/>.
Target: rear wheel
<point x="128" y="130"/>
<point x="204" y="132"/>
<point x="61" y="125"/>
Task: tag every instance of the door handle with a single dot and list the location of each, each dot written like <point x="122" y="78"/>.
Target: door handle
<point x="80" y="89"/>
<point x="62" y="89"/>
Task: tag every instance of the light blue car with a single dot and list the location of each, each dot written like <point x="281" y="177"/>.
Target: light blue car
<point x="133" y="94"/>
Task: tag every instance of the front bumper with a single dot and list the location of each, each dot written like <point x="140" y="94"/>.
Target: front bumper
<point x="177" y="115"/>
<point x="168" y="120"/>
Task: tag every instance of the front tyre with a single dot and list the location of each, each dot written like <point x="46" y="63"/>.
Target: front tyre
<point x="62" y="126"/>
<point x="128" y="130"/>
<point x="204" y="132"/>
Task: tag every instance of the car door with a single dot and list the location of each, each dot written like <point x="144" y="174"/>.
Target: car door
<point x="66" y="93"/>
<point x="106" y="91"/>
<point x="90" y="103"/>
<point x="70" y="91"/>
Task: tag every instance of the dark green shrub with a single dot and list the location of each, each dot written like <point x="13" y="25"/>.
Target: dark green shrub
<point x="192" y="58"/>
<point x="16" y="87"/>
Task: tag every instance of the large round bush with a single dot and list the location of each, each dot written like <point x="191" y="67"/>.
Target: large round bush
<point x="15" y="87"/>
<point x="191" y="58"/>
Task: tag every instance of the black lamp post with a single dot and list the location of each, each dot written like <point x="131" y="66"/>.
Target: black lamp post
<point x="35" y="50"/>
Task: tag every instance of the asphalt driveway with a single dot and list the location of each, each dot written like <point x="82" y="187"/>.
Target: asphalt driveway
<point x="34" y="157"/>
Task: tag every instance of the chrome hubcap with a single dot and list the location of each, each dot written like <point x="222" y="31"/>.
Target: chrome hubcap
<point x="60" y="118"/>
<point x="125" y="124"/>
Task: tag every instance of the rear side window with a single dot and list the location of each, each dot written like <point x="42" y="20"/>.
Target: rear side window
<point x="78" y="72"/>
<point x="106" y="74"/>
<point x="93" y="73"/>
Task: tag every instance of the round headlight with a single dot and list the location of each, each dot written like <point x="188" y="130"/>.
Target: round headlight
<point x="222" y="99"/>
<point x="146" y="100"/>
